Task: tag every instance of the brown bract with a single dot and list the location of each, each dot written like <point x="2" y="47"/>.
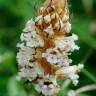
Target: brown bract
<point x="53" y="13"/>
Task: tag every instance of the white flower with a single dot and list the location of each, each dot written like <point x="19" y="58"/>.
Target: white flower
<point x="20" y="45"/>
<point x="65" y="18"/>
<point x="54" y="16"/>
<point x="71" y="93"/>
<point x="56" y="60"/>
<point x="32" y="39"/>
<point x="47" y="18"/>
<point x="30" y="25"/>
<point x="30" y="72"/>
<point x="41" y="9"/>
<point x="70" y="72"/>
<point x="39" y="20"/>
<point x="59" y="25"/>
<point x="67" y="27"/>
<point x="49" y="30"/>
<point x="25" y="55"/>
<point x="27" y="73"/>
<point x="47" y="86"/>
<point x="66" y="44"/>
<point x="30" y="35"/>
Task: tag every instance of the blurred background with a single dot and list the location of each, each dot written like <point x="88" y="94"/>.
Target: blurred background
<point x="13" y="16"/>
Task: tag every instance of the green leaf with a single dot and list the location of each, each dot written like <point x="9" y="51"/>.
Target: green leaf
<point x="14" y="88"/>
<point x="83" y="95"/>
<point x="8" y="62"/>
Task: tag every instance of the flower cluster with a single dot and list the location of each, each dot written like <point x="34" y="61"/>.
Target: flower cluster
<point x="47" y="86"/>
<point x="71" y="93"/>
<point x="45" y="48"/>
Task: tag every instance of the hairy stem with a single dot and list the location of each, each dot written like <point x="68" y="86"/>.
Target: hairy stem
<point x="86" y="88"/>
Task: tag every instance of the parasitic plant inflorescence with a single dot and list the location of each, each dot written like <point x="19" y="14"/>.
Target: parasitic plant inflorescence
<point x="43" y="56"/>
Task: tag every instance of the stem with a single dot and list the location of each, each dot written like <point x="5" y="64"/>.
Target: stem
<point x="87" y="56"/>
<point x="89" y="75"/>
<point x="84" y="71"/>
<point x="86" y="88"/>
<point x="65" y="84"/>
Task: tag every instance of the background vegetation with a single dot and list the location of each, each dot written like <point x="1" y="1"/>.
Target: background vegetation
<point x="13" y="16"/>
